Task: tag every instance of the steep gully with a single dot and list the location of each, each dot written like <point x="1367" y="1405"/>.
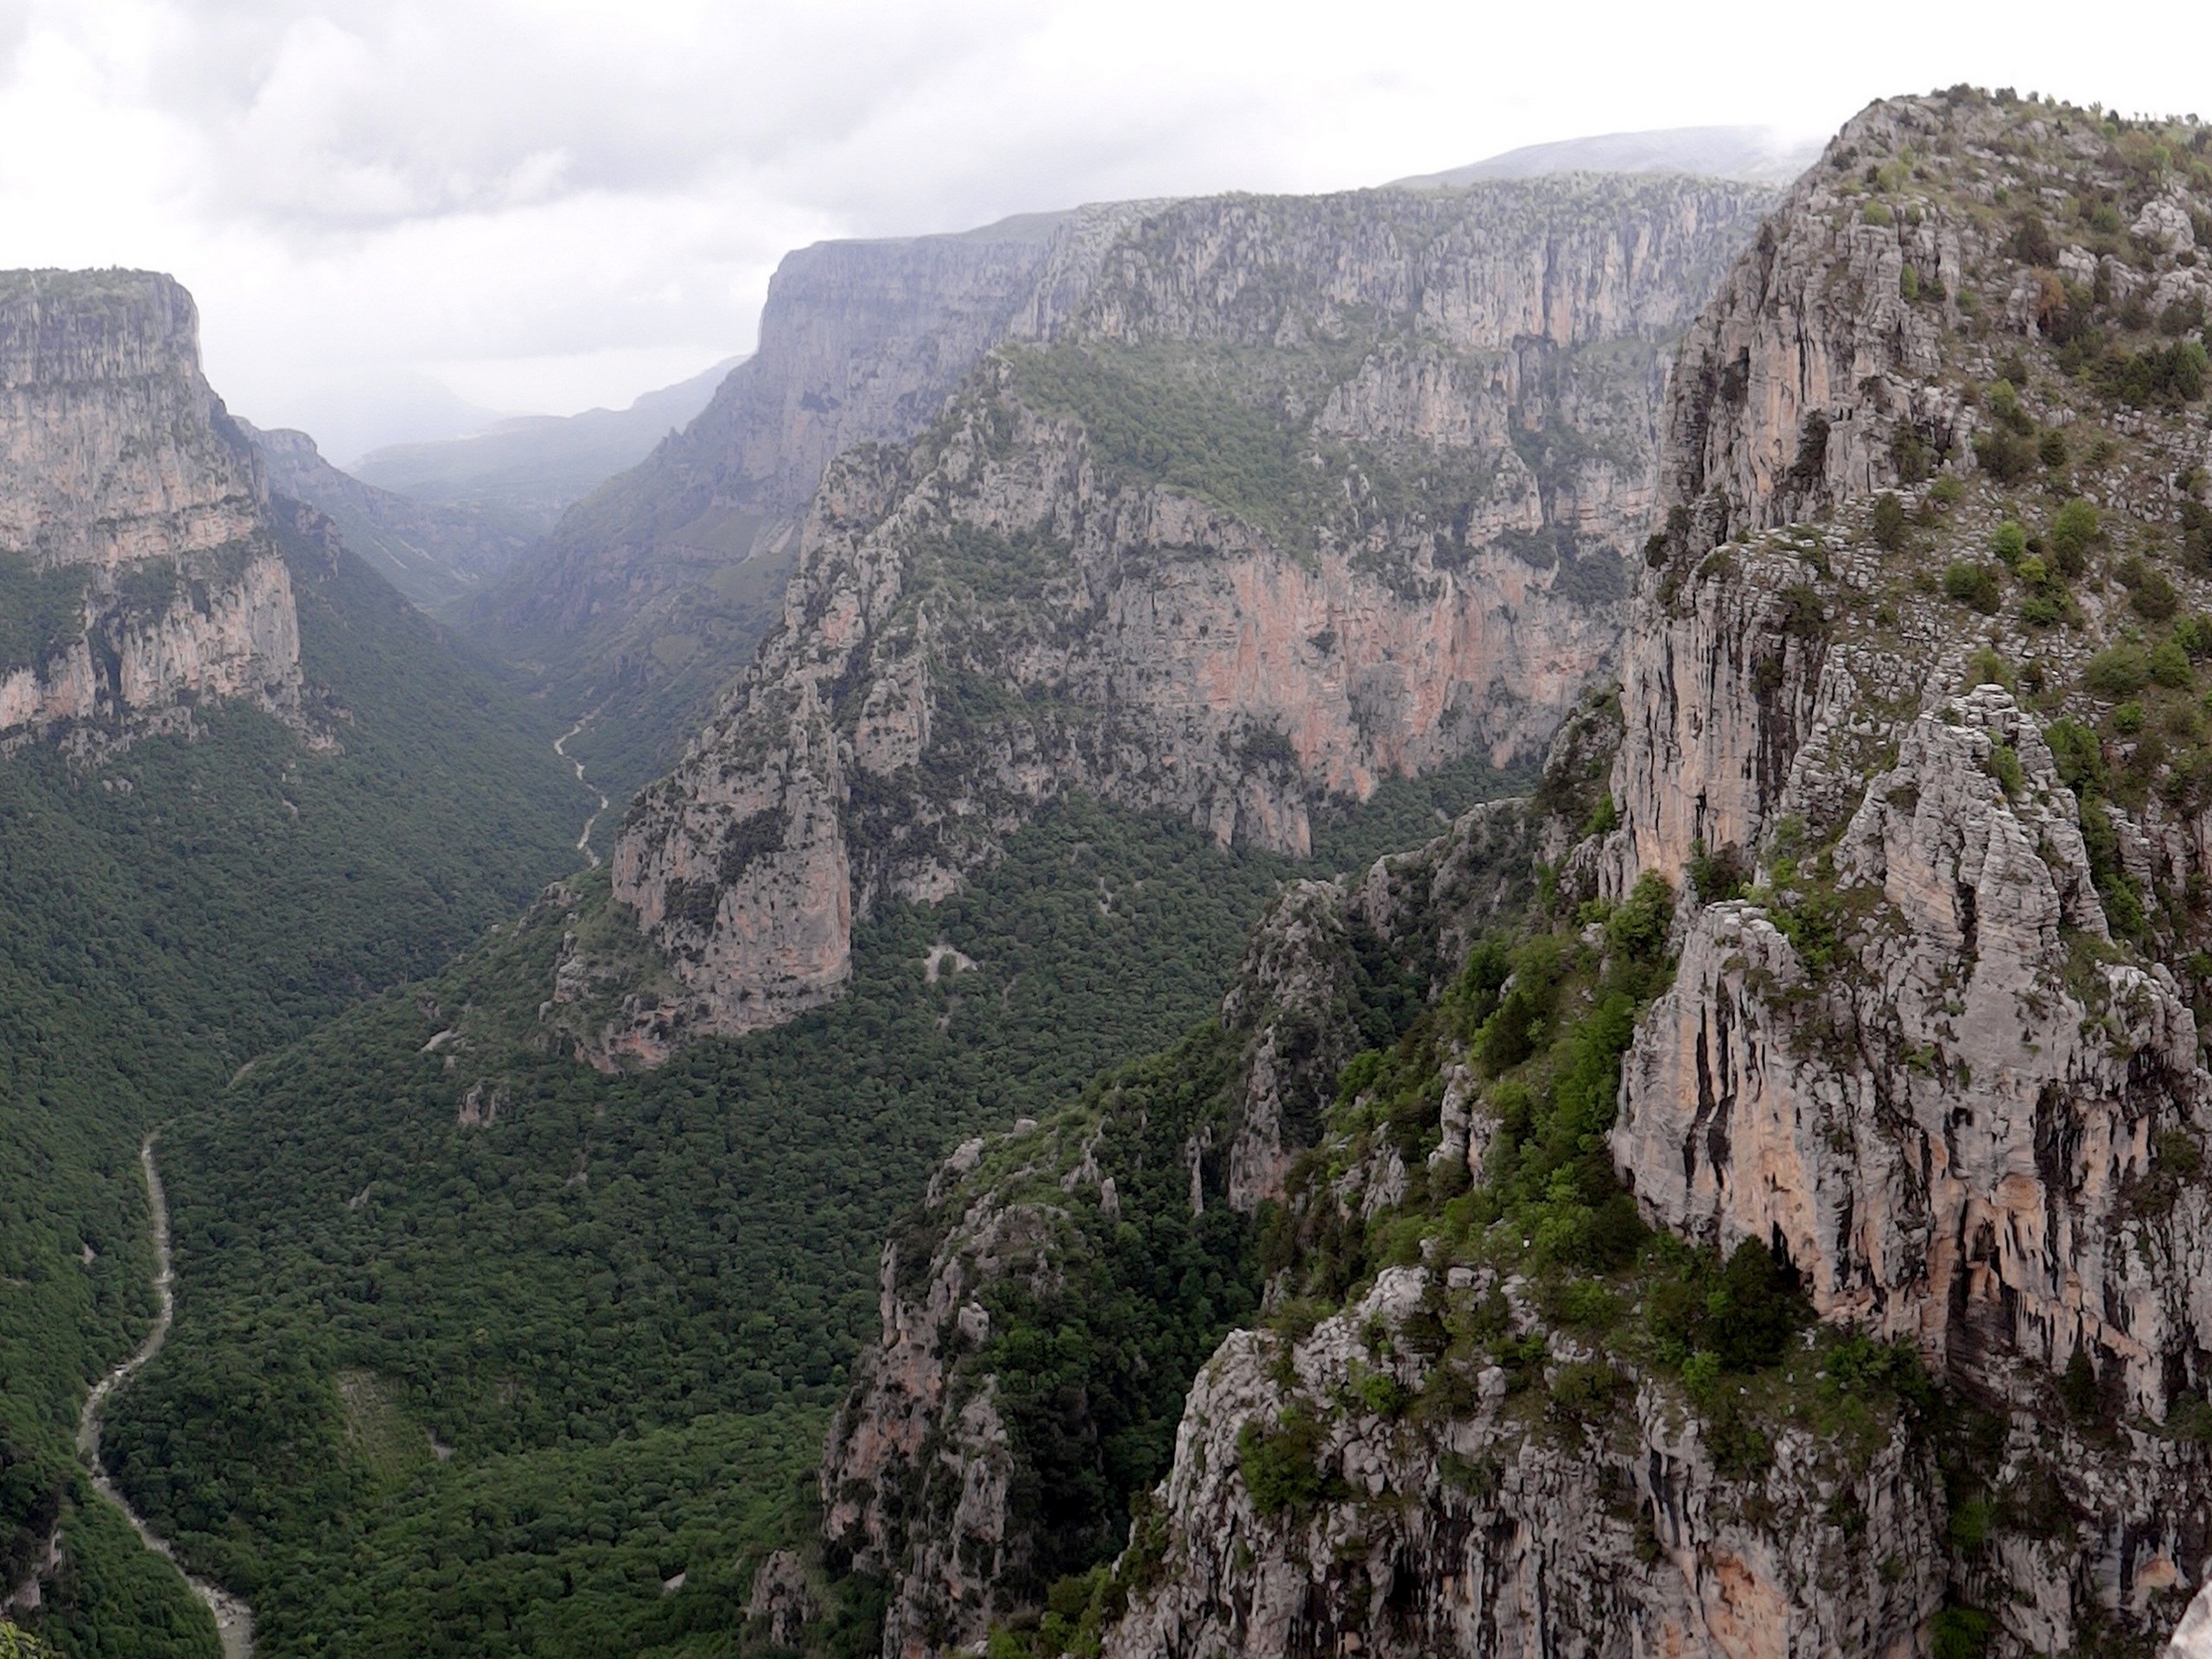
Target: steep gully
<point x="233" y="1618"/>
<point x="584" y="840"/>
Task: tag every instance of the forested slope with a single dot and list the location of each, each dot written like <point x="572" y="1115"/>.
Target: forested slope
<point x="427" y="1221"/>
<point x="173" y="912"/>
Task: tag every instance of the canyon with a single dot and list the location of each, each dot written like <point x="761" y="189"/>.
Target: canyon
<point x="1743" y="1194"/>
<point x="1408" y="441"/>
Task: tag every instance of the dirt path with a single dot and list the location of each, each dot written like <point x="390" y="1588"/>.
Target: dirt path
<point x="560" y="747"/>
<point x="233" y="1618"/>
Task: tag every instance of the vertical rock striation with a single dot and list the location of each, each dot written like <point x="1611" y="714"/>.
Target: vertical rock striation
<point x="1941" y="1057"/>
<point x="1290" y="496"/>
<point x="137" y="570"/>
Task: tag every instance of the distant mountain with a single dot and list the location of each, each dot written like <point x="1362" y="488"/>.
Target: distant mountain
<point x="653" y="590"/>
<point x="1755" y="153"/>
<point x="367" y="411"/>
<point x="437" y="556"/>
<point x="533" y="466"/>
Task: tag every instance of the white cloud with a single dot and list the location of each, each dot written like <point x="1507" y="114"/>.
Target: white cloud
<point x="555" y="203"/>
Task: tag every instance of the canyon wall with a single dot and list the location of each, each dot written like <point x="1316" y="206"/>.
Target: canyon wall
<point x="651" y="594"/>
<point x="1288" y="497"/>
<point x="138" y="573"/>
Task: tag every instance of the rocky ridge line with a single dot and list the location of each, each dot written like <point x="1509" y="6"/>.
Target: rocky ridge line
<point x="1014" y="605"/>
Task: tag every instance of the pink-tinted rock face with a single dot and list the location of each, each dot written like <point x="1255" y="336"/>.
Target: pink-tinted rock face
<point x="1016" y="606"/>
<point x="1977" y="1199"/>
<point x="121" y="477"/>
<point x="1944" y="1055"/>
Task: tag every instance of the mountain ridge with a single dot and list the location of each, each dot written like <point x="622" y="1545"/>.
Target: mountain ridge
<point x="532" y="466"/>
<point x="1400" y="546"/>
<point x="1783" y="1235"/>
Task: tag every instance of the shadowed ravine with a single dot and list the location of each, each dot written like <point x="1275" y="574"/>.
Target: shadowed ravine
<point x="233" y="1618"/>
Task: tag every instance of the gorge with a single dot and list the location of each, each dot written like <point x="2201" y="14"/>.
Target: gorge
<point x="1464" y="919"/>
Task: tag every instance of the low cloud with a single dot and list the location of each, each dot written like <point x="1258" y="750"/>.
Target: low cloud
<point x="544" y="204"/>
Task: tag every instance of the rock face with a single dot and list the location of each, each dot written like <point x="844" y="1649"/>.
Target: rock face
<point x="438" y="557"/>
<point x="1943" y="1059"/>
<point x="925" y="1481"/>
<point x="1908" y="818"/>
<point x="650" y="593"/>
<point x="1294" y="496"/>
<point x="782" y="1604"/>
<point x="1477" y="1536"/>
<point x="137" y="568"/>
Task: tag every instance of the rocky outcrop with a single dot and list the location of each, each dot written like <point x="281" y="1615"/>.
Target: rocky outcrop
<point x="1923" y="1058"/>
<point x="139" y="571"/>
<point x="437" y="556"/>
<point x="782" y="1604"/>
<point x="1492" y="1532"/>
<point x="1416" y="443"/>
<point x="922" y="1479"/>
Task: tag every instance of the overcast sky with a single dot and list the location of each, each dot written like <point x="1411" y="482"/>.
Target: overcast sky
<point x="543" y="205"/>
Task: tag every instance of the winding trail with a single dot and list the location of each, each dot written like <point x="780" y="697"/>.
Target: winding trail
<point x="560" y="747"/>
<point x="233" y="1618"/>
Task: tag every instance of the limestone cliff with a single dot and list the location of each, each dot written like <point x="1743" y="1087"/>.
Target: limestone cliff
<point x="650" y="593"/>
<point x="1291" y="497"/>
<point x="1793" y="1239"/>
<point x="138" y="574"/>
<point x="1946" y="1055"/>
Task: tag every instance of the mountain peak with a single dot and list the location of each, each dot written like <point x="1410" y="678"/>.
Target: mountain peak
<point x="1761" y="155"/>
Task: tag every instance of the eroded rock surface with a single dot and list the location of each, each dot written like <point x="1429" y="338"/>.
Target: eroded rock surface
<point x="143" y="572"/>
<point x="1418" y="443"/>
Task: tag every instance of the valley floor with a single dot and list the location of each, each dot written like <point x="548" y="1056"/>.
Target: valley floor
<point x="233" y="1618"/>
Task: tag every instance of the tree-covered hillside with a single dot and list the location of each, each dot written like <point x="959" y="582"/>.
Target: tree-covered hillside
<point x="447" y="1296"/>
<point x="166" y="915"/>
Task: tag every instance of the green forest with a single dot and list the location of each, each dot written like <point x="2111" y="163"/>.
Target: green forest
<point x="165" y="917"/>
<point x="616" y="1265"/>
<point x="551" y="1380"/>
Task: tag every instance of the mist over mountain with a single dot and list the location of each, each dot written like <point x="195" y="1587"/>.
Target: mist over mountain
<point x="531" y="466"/>
<point x="1466" y="917"/>
<point x="1755" y="153"/>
